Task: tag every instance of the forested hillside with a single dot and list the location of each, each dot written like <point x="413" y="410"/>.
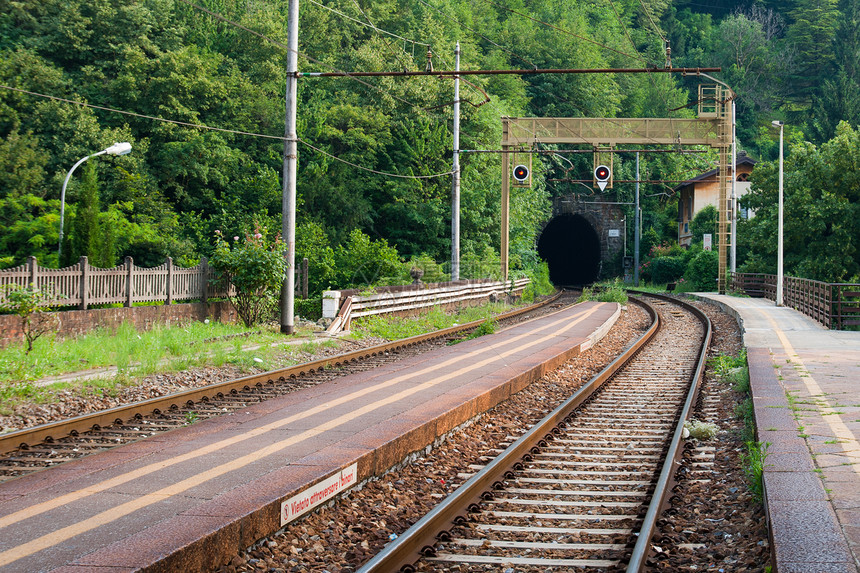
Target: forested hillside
<point x="172" y="60"/>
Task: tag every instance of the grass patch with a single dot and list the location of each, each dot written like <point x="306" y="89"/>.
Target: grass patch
<point x="394" y="328"/>
<point x="732" y="369"/>
<point x="753" y="459"/>
<point x="126" y="349"/>
<point x="611" y="291"/>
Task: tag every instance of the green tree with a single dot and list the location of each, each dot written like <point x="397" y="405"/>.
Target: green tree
<point x="822" y="210"/>
<point x="85" y="236"/>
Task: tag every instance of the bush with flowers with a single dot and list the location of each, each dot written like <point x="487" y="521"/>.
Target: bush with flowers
<point x="256" y="267"/>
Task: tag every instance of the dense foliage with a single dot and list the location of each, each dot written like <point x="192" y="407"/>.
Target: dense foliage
<point x="795" y="60"/>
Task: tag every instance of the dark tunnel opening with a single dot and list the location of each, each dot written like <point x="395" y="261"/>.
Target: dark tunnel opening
<point x="571" y="248"/>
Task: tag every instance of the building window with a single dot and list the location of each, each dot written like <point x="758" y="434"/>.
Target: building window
<point x="686" y="227"/>
<point x="743" y="177"/>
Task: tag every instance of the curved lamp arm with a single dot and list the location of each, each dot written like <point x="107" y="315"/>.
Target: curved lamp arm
<point x="116" y="149"/>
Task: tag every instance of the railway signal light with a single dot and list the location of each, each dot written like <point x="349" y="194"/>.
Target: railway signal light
<point x="521" y="173"/>
<point x="602" y="174"/>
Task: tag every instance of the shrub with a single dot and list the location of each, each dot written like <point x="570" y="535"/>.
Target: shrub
<point x="361" y="261"/>
<point x="540" y="283"/>
<point x="256" y="268"/>
<point x="309" y="308"/>
<point x="31" y="305"/>
<point x="702" y="270"/>
<point x="667" y="269"/>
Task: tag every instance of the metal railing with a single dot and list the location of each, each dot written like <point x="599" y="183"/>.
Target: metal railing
<point x="343" y="306"/>
<point x="835" y="305"/>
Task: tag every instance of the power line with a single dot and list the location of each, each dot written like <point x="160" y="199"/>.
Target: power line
<point x="656" y="28"/>
<point x="309" y="58"/>
<point x="633" y="44"/>
<point x="317" y="149"/>
<point x="223" y="130"/>
<point x="287" y="48"/>
<point x="526" y="72"/>
<point x="143" y="116"/>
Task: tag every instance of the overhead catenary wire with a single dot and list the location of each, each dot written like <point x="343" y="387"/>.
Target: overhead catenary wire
<point x="219" y="129"/>
<point x="656" y="28"/>
<point x="515" y="72"/>
<point x="633" y="44"/>
<point x="309" y="58"/>
<point x="285" y="47"/>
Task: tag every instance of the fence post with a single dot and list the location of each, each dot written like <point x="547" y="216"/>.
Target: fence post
<point x="305" y="278"/>
<point x="129" y="287"/>
<point x="838" y="307"/>
<point x="169" y="281"/>
<point x="33" y="265"/>
<point x="85" y="282"/>
<point x="204" y="270"/>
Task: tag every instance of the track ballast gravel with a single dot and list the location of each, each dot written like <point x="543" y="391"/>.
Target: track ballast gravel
<point x="711" y="526"/>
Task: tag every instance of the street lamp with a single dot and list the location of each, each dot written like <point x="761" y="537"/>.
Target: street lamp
<point x="123" y="148"/>
<point x="779" y="271"/>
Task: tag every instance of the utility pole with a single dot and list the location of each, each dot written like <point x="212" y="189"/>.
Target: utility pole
<point x="288" y="192"/>
<point x="734" y="236"/>
<point x="636" y="225"/>
<point x="455" y="176"/>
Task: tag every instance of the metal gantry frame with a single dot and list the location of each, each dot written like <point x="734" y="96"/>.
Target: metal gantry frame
<point x="712" y="127"/>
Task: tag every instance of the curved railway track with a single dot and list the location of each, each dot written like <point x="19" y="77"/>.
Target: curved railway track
<point x="36" y="448"/>
<point x="582" y="489"/>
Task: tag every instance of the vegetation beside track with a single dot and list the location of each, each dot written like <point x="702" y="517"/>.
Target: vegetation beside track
<point x="108" y="361"/>
<point x="733" y="370"/>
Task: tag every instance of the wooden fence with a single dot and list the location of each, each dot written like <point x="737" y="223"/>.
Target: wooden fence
<point x="835" y="305"/>
<point x="82" y="285"/>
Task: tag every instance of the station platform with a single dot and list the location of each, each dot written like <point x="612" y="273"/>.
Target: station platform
<point x="190" y="499"/>
<point x="805" y="382"/>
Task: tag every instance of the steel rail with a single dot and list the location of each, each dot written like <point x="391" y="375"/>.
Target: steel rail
<point x="665" y="482"/>
<point x="418" y="540"/>
<point x="48" y="433"/>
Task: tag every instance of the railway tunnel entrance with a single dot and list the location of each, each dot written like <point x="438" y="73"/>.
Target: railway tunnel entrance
<point x="571" y="247"/>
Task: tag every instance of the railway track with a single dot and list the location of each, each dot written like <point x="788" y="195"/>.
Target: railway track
<point x="37" y="448"/>
<point x="582" y="489"/>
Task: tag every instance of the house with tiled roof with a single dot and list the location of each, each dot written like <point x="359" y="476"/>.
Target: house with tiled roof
<point x="697" y="193"/>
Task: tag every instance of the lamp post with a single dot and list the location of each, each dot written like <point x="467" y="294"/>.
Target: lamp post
<point x="123" y="148"/>
<point x="779" y="270"/>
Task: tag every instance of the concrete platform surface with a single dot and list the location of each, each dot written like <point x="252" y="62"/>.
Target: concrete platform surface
<point x="805" y="382"/>
<point x="190" y="499"/>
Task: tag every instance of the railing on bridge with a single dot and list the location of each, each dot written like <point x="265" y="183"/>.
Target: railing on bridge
<point x="835" y="305"/>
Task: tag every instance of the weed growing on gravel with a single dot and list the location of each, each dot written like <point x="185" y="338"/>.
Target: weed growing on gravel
<point x="753" y="461"/>
<point x="486" y="327"/>
<point x="612" y="291"/>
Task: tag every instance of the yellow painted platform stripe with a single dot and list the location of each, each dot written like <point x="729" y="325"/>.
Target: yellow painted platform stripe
<point x="65" y="533"/>
<point x="843" y="434"/>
